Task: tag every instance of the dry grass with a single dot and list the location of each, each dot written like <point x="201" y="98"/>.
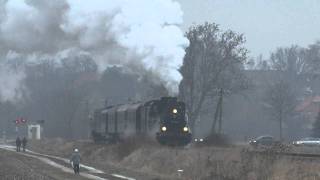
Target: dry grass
<point x="217" y="140"/>
<point x="131" y="144"/>
<point x="203" y="163"/>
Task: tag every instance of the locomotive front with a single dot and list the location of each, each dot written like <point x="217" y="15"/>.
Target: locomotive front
<point x="174" y="128"/>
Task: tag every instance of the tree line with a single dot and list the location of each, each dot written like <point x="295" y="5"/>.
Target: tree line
<point x="215" y="67"/>
<point x="216" y="64"/>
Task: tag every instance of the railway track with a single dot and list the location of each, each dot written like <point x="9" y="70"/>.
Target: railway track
<point x="64" y="165"/>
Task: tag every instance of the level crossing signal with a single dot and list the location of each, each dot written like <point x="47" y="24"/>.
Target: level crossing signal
<point x="20" y="121"/>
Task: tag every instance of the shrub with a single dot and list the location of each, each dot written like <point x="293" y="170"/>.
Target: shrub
<point x="217" y="140"/>
<point x="130" y="144"/>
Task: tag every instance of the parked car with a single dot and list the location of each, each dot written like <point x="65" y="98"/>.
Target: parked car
<point x="309" y="141"/>
<point x="263" y="140"/>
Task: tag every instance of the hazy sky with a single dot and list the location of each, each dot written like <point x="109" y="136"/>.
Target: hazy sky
<point x="267" y="24"/>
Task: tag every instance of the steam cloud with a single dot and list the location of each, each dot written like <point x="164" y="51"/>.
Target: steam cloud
<point x="140" y="33"/>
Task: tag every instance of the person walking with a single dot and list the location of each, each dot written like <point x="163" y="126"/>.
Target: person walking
<point x="24" y="144"/>
<point x="18" y="144"/>
<point x="75" y="161"/>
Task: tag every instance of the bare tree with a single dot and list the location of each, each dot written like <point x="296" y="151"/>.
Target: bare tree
<point x="290" y="60"/>
<point x="312" y="55"/>
<point x="209" y="65"/>
<point x="280" y="102"/>
<point x="262" y="64"/>
<point x="56" y="93"/>
<point x="8" y="115"/>
<point x="297" y="69"/>
<point x="316" y="126"/>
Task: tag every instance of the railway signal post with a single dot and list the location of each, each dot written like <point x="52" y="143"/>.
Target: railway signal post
<point x="18" y="123"/>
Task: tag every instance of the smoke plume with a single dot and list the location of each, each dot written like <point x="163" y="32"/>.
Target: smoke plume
<point x="140" y="33"/>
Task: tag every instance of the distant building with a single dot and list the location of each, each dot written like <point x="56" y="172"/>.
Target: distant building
<point x="309" y="108"/>
<point x="34" y="131"/>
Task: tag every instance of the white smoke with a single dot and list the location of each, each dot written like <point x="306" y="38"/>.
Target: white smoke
<point x="11" y="78"/>
<point x="122" y="32"/>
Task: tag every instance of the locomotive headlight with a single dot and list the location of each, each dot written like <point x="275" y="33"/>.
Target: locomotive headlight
<point x="174" y="111"/>
<point x="164" y="128"/>
<point x="185" y="129"/>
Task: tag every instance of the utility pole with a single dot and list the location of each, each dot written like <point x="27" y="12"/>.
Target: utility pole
<point x="220" y="111"/>
<point x="88" y="118"/>
<point x="218" y="114"/>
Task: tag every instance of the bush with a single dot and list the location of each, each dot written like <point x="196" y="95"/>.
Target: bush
<point x="130" y="144"/>
<point x="217" y="140"/>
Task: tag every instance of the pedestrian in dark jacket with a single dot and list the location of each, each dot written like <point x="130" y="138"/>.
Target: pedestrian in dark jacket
<point x="18" y="144"/>
<point x="24" y="144"/>
<point x="75" y="161"/>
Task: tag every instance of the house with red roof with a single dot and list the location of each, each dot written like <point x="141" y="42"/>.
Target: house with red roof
<point x="309" y="108"/>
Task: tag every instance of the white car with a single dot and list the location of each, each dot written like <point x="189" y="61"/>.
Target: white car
<point x="309" y="141"/>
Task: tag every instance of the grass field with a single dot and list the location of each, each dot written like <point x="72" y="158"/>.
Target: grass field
<point x="205" y="163"/>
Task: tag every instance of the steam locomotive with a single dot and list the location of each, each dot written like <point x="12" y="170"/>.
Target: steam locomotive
<point x="163" y="119"/>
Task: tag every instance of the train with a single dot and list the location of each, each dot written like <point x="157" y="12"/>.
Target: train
<point x="163" y="119"/>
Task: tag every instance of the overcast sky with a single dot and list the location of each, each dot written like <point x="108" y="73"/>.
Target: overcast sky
<point x="267" y="24"/>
